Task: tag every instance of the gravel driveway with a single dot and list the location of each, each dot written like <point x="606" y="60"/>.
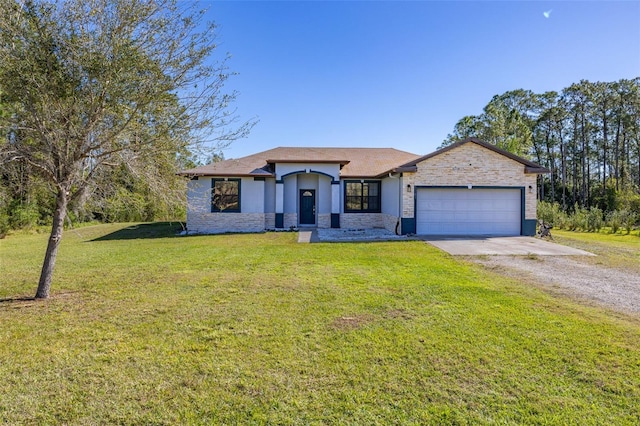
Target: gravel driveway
<point x="572" y="276"/>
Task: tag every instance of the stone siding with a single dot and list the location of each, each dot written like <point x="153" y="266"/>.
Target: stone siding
<point x="361" y="220"/>
<point x="324" y="220"/>
<point x="470" y="164"/>
<point x="390" y="222"/>
<point x="269" y="221"/>
<point x="217" y="223"/>
<point x="290" y="220"/>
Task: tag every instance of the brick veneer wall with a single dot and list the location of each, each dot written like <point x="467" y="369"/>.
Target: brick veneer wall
<point x="470" y="164"/>
<point x="269" y="221"/>
<point x="324" y="220"/>
<point x="216" y="223"/>
<point x="368" y="221"/>
<point x="390" y="222"/>
<point x="290" y="220"/>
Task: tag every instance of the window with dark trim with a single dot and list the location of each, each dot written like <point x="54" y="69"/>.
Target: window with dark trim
<point x="362" y="197"/>
<point x="225" y="195"/>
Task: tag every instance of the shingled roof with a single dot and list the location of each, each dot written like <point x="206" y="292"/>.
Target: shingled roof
<point x="354" y="162"/>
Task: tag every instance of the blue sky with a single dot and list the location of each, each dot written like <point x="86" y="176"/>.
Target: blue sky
<point x="401" y="74"/>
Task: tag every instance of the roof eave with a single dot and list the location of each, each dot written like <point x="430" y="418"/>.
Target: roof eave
<point x="362" y="176"/>
<point x="405" y="169"/>
<point x="201" y="174"/>
<point x="341" y="162"/>
<point x="536" y="170"/>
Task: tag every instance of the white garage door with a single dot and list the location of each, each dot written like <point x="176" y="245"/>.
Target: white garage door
<point x="462" y="211"/>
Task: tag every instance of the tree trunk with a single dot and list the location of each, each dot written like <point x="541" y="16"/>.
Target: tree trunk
<point x="616" y="172"/>
<point x="563" y="166"/>
<point x="584" y="154"/>
<point x="605" y="147"/>
<point x="44" y="285"/>
<point x="574" y="160"/>
<point x="552" y="164"/>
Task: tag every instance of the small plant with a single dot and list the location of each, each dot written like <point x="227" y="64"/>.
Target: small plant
<point x="532" y="256"/>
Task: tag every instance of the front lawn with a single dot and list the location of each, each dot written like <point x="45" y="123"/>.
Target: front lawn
<point x="147" y="328"/>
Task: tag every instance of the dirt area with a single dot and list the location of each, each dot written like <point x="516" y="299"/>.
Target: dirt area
<point x="573" y="276"/>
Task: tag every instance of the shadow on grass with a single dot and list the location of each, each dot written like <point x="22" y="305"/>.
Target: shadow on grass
<point x="144" y="231"/>
<point x="17" y="299"/>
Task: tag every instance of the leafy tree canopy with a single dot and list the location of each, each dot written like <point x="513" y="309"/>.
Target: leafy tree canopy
<point x="95" y="84"/>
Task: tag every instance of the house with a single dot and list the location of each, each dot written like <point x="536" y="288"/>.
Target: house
<point x="468" y="188"/>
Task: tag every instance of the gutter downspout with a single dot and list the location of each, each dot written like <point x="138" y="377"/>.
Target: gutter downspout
<point x="399" y="200"/>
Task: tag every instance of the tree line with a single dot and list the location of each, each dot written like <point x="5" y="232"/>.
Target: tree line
<point x="587" y="135"/>
<point x="104" y="102"/>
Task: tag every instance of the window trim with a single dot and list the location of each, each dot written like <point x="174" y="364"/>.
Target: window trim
<point x="213" y="186"/>
<point x="361" y="183"/>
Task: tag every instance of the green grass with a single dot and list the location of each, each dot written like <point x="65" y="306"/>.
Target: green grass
<point x="147" y="328"/>
<point x="614" y="250"/>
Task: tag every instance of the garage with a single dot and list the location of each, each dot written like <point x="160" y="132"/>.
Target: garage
<point x="464" y="211"/>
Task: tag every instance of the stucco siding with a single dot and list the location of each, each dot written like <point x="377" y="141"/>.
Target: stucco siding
<point x="198" y="196"/>
<point x="323" y="196"/>
<point x="270" y="196"/>
<point x="390" y="196"/>
<point x="283" y="169"/>
<point x="251" y="196"/>
<point x="290" y="195"/>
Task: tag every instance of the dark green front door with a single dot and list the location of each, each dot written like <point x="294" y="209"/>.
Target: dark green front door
<point x="307" y="207"/>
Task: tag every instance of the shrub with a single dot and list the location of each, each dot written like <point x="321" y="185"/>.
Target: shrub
<point x="628" y="220"/>
<point x="23" y="215"/>
<point x="4" y="223"/>
<point x="124" y="206"/>
<point x="578" y="220"/>
<point x="551" y="214"/>
<point x="594" y="219"/>
<point x="614" y="221"/>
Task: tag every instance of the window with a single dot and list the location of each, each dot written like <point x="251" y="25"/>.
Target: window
<point x="225" y="195"/>
<point x="362" y="197"/>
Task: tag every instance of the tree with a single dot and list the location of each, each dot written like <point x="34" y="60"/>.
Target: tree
<point x="588" y="136"/>
<point x="467" y="127"/>
<point x="94" y="84"/>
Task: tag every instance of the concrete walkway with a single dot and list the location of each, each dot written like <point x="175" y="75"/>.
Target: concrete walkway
<point x="307" y="236"/>
<point x="502" y="246"/>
